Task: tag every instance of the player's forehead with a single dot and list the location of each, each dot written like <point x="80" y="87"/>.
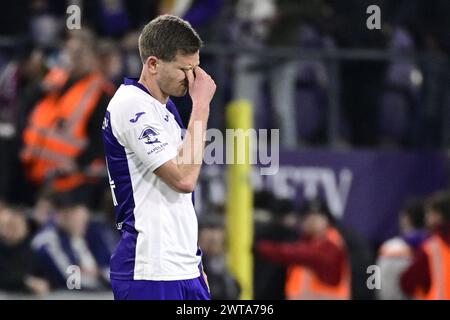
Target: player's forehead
<point x="187" y="60"/>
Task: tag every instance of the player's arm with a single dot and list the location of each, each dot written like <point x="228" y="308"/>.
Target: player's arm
<point x="181" y="173"/>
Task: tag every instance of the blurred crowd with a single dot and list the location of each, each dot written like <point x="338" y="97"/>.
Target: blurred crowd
<point x="305" y="253"/>
<point x="41" y="246"/>
<point x="383" y="102"/>
<point x="299" y="252"/>
<point x="56" y="210"/>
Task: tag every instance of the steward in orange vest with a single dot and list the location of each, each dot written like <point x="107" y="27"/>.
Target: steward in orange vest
<point x="58" y="134"/>
<point x="62" y="140"/>
<point x="428" y="277"/>
<point x="318" y="263"/>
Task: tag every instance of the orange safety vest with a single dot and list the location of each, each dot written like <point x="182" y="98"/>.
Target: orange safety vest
<point x="304" y="284"/>
<point x="55" y="78"/>
<point x="56" y="133"/>
<point x="438" y="253"/>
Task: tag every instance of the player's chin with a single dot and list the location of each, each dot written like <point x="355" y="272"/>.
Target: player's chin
<point x="180" y="93"/>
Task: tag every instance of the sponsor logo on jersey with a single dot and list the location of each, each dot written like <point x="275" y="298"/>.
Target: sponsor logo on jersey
<point x="136" y="117"/>
<point x="149" y="136"/>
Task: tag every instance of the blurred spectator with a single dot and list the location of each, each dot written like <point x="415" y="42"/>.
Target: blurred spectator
<point x="19" y="269"/>
<point x="395" y="255"/>
<point x="275" y="220"/>
<point x="131" y="60"/>
<point x="112" y="16"/>
<point x="19" y="79"/>
<point x="301" y="92"/>
<point x="361" y="80"/>
<point x="71" y="238"/>
<point x="45" y="25"/>
<point x="110" y="61"/>
<point x="298" y="87"/>
<point x="319" y="265"/>
<point x="250" y="28"/>
<point x="203" y="15"/>
<point x="429" y="23"/>
<point x="292" y="16"/>
<point x="42" y="212"/>
<point x="222" y="284"/>
<point x="400" y="115"/>
<point x="270" y="24"/>
<point x="428" y="277"/>
<point x="62" y="145"/>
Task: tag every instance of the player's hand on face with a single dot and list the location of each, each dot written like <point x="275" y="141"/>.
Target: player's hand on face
<point x="201" y="86"/>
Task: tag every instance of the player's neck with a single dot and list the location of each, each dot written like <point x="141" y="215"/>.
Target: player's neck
<point x="153" y="88"/>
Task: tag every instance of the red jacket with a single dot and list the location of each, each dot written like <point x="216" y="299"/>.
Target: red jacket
<point x="418" y="275"/>
<point x="319" y="254"/>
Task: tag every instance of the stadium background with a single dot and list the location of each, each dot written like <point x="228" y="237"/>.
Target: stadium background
<point x="363" y="115"/>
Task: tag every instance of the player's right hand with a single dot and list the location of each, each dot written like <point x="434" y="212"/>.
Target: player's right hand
<point x="201" y="87"/>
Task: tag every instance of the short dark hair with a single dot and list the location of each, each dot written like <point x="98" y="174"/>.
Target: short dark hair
<point x="165" y="36"/>
<point x="263" y="200"/>
<point x="317" y="205"/>
<point x="282" y="207"/>
<point x="440" y="202"/>
<point x="66" y="200"/>
<point x="414" y="209"/>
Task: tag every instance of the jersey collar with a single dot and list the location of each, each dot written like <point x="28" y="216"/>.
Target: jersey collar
<point x="170" y="105"/>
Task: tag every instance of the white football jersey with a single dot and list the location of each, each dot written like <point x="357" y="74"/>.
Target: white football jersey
<point x="159" y="225"/>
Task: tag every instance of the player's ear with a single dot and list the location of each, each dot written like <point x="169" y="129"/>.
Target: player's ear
<point x="151" y="64"/>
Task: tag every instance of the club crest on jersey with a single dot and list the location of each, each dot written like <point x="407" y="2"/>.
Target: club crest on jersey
<point x="149" y="136"/>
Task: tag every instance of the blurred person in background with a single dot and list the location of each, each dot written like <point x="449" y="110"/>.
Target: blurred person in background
<point x="19" y="78"/>
<point x="130" y="56"/>
<point x="19" y="269"/>
<point x="203" y="15"/>
<point x="110" y="61"/>
<point x="271" y="84"/>
<point x="361" y="80"/>
<point x="62" y="146"/>
<point x="222" y="284"/>
<point x="294" y="83"/>
<point x="110" y="18"/>
<point x="250" y="28"/>
<point x="45" y="22"/>
<point x="318" y="263"/>
<point x="71" y="238"/>
<point x="275" y="220"/>
<point x="428" y="277"/>
<point x="42" y="212"/>
<point x="396" y="254"/>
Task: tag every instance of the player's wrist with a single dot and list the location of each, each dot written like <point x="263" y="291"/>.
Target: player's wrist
<point x="200" y="107"/>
